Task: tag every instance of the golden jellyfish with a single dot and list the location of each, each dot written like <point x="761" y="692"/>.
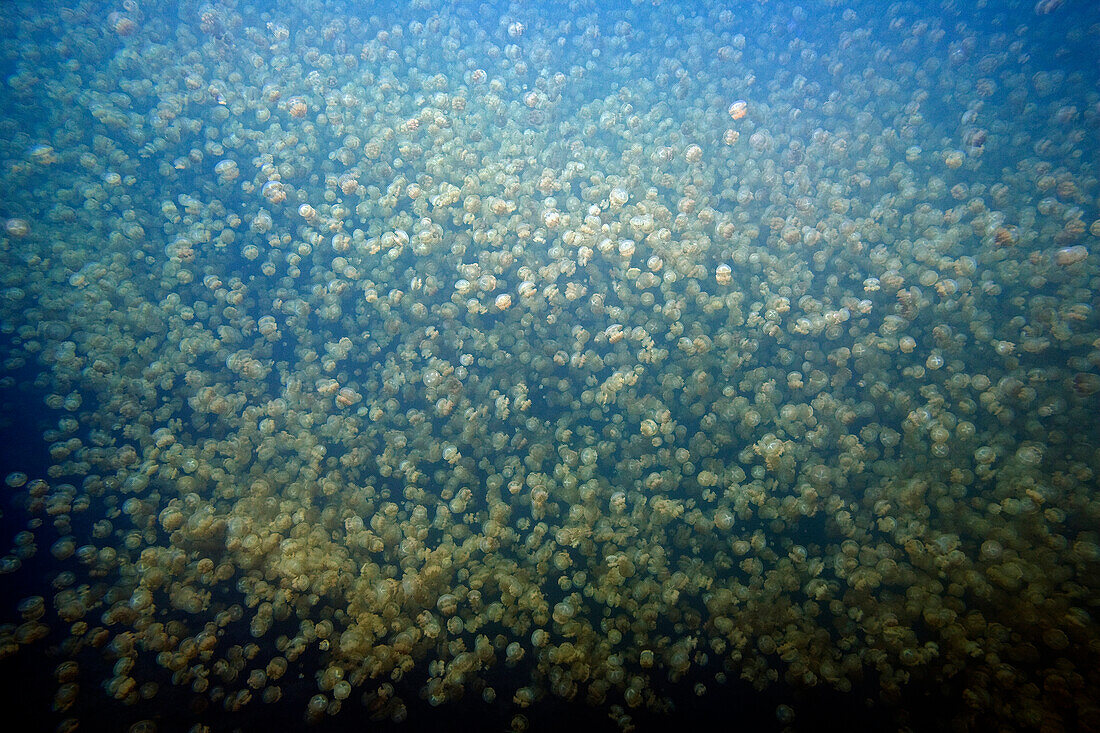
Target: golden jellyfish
<point x="346" y="396"/>
<point x="17" y="228"/>
<point x="121" y="24"/>
<point x="274" y="191"/>
<point x="1067" y="256"/>
<point x="297" y="107"/>
<point x="227" y="170"/>
<point x="43" y="154"/>
<point x="760" y="141"/>
<point x="738" y="109"/>
<point x="1086" y="384"/>
<point x="533" y="396"/>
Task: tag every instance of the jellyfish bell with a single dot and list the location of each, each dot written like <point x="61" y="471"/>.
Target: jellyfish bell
<point x="1069" y="256"/>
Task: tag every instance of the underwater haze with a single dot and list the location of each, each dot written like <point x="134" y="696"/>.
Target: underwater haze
<point x="523" y="366"/>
